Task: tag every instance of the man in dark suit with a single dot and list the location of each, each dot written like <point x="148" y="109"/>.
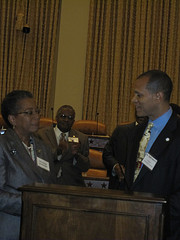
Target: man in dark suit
<point x="115" y="153"/>
<point x="160" y="169"/>
<point x="70" y="148"/>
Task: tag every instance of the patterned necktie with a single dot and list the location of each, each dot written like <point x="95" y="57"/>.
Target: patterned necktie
<point x="63" y="137"/>
<point x="142" y="147"/>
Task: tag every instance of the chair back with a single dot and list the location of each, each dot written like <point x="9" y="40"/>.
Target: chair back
<point x="46" y="122"/>
<point x="90" y="127"/>
<point x="95" y="158"/>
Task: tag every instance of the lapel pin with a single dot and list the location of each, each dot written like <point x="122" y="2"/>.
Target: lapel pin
<point x="38" y="150"/>
<point x="13" y="151"/>
<point x="167" y="139"/>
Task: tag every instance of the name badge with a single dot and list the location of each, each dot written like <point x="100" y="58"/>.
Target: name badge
<point x="43" y="164"/>
<point x="149" y="161"/>
<point x="73" y="139"/>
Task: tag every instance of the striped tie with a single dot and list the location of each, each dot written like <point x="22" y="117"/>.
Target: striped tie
<point x="63" y="137"/>
<point x="142" y="147"/>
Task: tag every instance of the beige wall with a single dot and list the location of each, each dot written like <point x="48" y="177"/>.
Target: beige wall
<point x="71" y="55"/>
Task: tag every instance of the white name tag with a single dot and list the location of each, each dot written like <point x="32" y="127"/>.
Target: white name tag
<point x="43" y="164"/>
<point x="149" y="161"/>
<point x="73" y="139"/>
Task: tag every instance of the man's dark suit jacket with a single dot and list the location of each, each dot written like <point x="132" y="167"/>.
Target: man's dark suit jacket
<point x="164" y="179"/>
<point x="71" y="173"/>
<point x="17" y="169"/>
<point x="115" y="152"/>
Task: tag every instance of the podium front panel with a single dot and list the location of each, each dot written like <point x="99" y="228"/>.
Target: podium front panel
<point x="75" y="213"/>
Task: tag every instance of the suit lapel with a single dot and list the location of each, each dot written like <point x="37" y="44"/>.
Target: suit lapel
<point x="51" y="136"/>
<point x="162" y="142"/>
<point x="133" y="142"/>
<point x="73" y="133"/>
<point x="133" y="145"/>
<point x="21" y="155"/>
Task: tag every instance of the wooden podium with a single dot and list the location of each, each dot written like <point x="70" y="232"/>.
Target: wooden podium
<point x="75" y="213"/>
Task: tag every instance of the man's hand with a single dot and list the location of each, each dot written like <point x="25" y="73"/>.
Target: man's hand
<point x="74" y="147"/>
<point x="118" y="171"/>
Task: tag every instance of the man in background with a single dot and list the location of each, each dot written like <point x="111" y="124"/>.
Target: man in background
<point x="69" y="146"/>
<point x="115" y="153"/>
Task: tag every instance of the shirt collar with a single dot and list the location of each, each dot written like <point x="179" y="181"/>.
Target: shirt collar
<point x="58" y="133"/>
<point x="160" y="122"/>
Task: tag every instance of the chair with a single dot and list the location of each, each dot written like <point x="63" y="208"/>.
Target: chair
<point x="97" y="168"/>
<point x="95" y="158"/>
<point x="96" y="176"/>
<point x="46" y="122"/>
<point x="90" y="127"/>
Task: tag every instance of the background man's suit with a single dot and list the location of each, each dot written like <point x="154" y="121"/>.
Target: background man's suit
<point x="17" y="169"/>
<point x="115" y="152"/>
<point x="164" y="179"/>
<point x="71" y="173"/>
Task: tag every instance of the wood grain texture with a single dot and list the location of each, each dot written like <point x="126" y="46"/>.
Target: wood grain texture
<point x="77" y="213"/>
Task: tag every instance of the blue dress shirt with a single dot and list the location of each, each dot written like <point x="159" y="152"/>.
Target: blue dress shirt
<point x="158" y="125"/>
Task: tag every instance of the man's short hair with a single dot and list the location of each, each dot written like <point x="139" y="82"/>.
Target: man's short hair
<point x="65" y="106"/>
<point x="158" y="81"/>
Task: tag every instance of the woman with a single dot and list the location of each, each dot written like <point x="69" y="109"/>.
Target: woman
<point x="23" y="158"/>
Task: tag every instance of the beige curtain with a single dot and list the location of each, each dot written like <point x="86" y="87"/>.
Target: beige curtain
<point x="126" y="38"/>
<point x="27" y="61"/>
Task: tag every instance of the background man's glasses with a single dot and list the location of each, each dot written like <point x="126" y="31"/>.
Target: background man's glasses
<point x="64" y="116"/>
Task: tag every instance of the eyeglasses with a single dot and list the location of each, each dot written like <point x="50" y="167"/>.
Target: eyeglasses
<point x="31" y="112"/>
<point x="64" y="116"/>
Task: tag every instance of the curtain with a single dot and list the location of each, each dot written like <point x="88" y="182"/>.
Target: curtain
<point x="126" y="38"/>
<point x="27" y="60"/>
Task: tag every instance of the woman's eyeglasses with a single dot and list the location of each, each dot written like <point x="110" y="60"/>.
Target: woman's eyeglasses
<point x="31" y="112"/>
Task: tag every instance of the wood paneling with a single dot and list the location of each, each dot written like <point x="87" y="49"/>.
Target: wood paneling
<point x="76" y="213"/>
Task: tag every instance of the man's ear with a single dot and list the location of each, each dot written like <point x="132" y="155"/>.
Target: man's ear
<point x="12" y="120"/>
<point x="158" y="96"/>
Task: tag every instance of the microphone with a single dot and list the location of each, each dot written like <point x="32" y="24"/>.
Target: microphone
<point x="97" y="130"/>
<point x="52" y="116"/>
